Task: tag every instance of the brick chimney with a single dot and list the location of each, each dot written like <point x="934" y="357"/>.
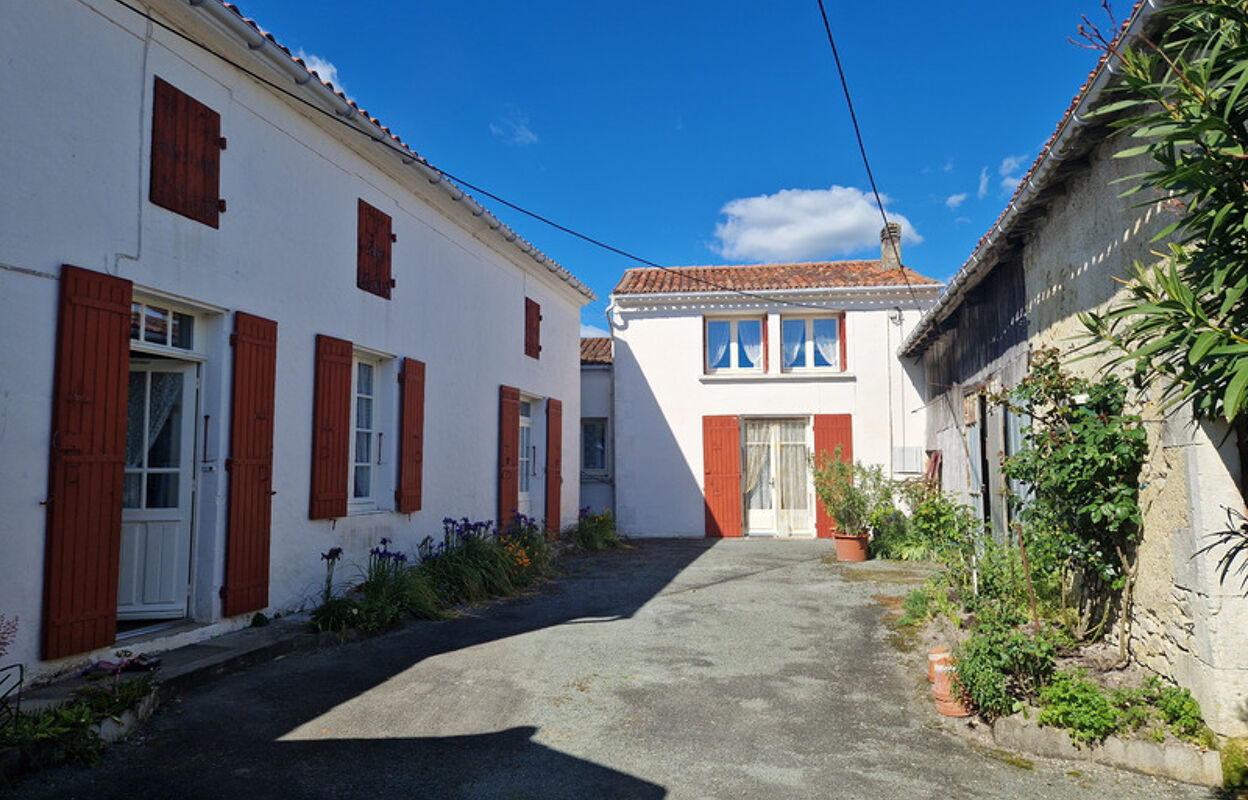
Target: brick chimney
<point x="890" y="246"/>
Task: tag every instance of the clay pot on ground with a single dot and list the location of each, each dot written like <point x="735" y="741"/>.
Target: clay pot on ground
<point x="850" y="548"/>
<point x="948" y="702"/>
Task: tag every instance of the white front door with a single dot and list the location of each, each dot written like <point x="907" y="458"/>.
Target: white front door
<point x="775" y="477"/>
<point x="156" y="502"/>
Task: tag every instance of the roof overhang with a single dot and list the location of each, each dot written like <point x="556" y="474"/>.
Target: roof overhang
<point x="1052" y="165"/>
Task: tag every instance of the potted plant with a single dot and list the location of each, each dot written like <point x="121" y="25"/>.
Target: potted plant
<point x="856" y="497"/>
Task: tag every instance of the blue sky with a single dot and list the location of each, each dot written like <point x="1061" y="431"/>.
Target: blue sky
<point x="712" y="132"/>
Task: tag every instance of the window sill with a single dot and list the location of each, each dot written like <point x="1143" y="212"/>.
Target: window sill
<point x="813" y="375"/>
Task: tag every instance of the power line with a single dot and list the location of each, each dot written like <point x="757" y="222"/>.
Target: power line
<point x="407" y="153"/>
<point x="862" y="149"/>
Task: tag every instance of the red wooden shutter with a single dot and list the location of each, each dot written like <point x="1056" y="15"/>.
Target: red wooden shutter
<point x="87" y="463"/>
<point x="844" y="364"/>
<point x="411" y="435"/>
<point x="508" y="445"/>
<point x="721" y="460"/>
<point x="532" y="329"/>
<point x="186" y="155"/>
<point x="250" y="465"/>
<point x="832" y="430"/>
<point x="554" y="463"/>
<point x="373" y="237"/>
<point x="331" y="428"/>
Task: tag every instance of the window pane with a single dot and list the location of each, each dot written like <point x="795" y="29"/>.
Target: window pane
<point x="717" y="334"/>
<point x="156" y="325"/>
<point x="132" y="491"/>
<point x="749" y="343"/>
<point x="827" y="346"/>
<point x="526" y="409"/>
<point x="164" y="420"/>
<point x="793" y="338"/>
<point x="363" y="447"/>
<point x="162" y="490"/>
<point x="136" y="319"/>
<point x="135" y="410"/>
<point x="593" y="445"/>
<point x="183" y="331"/>
<point x="363" y="413"/>
<point x="364" y="379"/>
<point x="362" y="483"/>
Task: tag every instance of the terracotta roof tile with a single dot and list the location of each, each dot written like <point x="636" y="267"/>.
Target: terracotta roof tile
<point x="596" y="350"/>
<point x="764" y="277"/>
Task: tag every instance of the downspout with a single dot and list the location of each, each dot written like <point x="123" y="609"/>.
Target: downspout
<point x="611" y="407"/>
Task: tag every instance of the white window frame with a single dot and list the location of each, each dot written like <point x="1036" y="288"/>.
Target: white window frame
<point x="377" y="465"/>
<point x="808" y="343"/>
<point x="606" y="453"/>
<point x="734" y="347"/>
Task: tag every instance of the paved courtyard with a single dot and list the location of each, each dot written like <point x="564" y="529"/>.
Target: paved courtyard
<point x="681" y="669"/>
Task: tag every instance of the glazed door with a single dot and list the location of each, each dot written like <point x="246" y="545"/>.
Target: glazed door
<point x="758" y="478"/>
<point x="775" y="477"/>
<point x="156" y="503"/>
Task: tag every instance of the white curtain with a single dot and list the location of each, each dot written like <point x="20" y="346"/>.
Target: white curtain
<point x="757" y="464"/>
<point x="792" y="467"/>
<point x="716" y="342"/>
<point x="794" y="337"/>
<point x="750" y="334"/>
<point x="166" y="398"/>
<point x="826" y="341"/>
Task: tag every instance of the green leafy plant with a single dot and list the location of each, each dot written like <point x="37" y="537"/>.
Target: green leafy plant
<point x="859" y="498"/>
<point x="594" y="530"/>
<point x="1073" y="702"/>
<point x="999" y="667"/>
<point x="1080" y="460"/>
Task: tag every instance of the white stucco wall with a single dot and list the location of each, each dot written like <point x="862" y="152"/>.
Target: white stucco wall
<point x="76" y="160"/>
<point x="661" y="395"/>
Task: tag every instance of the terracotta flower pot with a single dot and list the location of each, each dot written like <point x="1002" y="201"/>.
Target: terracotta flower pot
<point x="947" y="701"/>
<point x="850" y="548"/>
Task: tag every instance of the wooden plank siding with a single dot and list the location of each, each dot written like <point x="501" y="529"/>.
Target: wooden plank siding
<point x="411" y="436"/>
<point x="721" y="461"/>
<point x="331" y="428"/>
<point x="831" y="430"/>
<point x="250" y="465"/>
<point x="87" y="463"/>
<point x="186" y="155"/>
<point x="554" y="464"/>
<point x="508" y="453"/>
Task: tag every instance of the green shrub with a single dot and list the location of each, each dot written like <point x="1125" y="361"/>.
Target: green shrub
<point x="1000" y="666"/>
<point x="857" y="497"/>
<point x="1180" y="710"/>
<point x="593" y="530"/>
<point x="1075" y="703"/>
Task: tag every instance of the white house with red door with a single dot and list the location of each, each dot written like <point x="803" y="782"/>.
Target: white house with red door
<point x="244" y="323"/>
<point x="728" y="379"/>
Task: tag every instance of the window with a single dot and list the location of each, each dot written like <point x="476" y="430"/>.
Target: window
<point x="186" y="155"/>
<point x="163" y="327"/>
<point x="366" y="438"/>
<point x="811" y="343"/>
<point x="532" y="329"/>
<point x="373" y="240"/>
<point x="525" y="462"/>
<point x="735" y="344"/>
<point x="594" y="445"/>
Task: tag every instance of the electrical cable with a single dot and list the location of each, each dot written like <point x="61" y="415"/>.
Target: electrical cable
<point x="391" y="143"/>
<point x="862" y="149"/>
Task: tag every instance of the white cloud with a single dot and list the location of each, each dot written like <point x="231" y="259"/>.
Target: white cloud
<point x="1010" y="165"/>
<point x="1011" y="183"/>
<point x="593" y="330"/>
<point x="955" y="200"/>
<point x="803" y="225"/>
<point x="514" y="129"/>
<point x="323" y="67"/>
<point x="982" y="192"/>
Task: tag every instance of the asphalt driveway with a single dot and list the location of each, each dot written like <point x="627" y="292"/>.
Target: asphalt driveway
<point x="681" y="669"/>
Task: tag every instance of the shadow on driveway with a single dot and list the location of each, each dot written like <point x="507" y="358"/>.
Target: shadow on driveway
<point x="225" y="740"/>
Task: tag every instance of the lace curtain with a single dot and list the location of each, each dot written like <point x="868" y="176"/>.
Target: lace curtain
<point x="826" y="341"/>
<point x="717" y="335"/>
<point x="751" y="337"/>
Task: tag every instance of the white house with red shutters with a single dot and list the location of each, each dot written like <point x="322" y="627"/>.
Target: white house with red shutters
<point x="728" y="379"/>
<point x="244" y="323"/>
